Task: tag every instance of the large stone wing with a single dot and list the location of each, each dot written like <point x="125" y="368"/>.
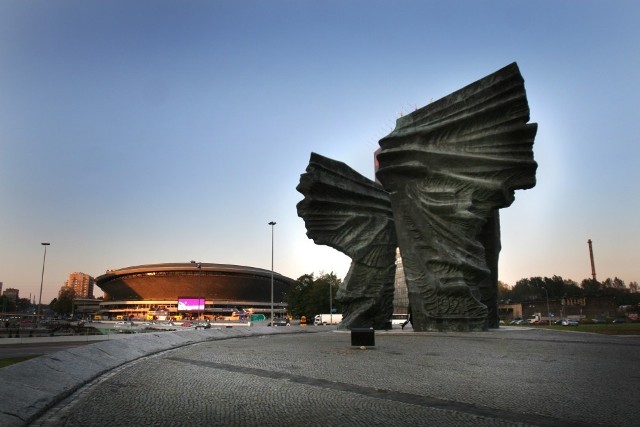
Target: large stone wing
<point x="347" y="211"/>
<point x="476" y="140"/>
<point x="449" y="166"/>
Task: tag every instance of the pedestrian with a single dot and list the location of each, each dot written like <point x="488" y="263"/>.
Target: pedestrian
<point x="408" y="318"/>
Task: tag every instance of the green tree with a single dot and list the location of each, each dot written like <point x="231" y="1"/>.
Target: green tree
<point x="326" y="287"/>
<point x="310" y="295"/>
<point x="591" y="287"/>
<point x="6" y="304"/>
<point x="298" y="295"/>
<point x="614" y="283"/>
<point x="504" y="291"/>
<point x="537" y="288"/>
<point x="572" y="289"/>
<point x="64" y="304"/>
<point x="527" y="289"/>
<point x="559" y="287"/>
<point x="23" y="304"/>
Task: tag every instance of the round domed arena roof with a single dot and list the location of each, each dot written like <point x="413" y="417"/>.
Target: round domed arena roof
<point x="211" y="281"/>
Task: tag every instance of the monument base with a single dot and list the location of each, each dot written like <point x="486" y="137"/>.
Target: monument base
<point x="455" y="324"/>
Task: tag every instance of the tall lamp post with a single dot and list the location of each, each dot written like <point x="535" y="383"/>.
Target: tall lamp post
<point x="199" y="267"/>
<point x="272" y="223"/>
<point x="44" y="258"/>
<point x="330" y="305"/>
<point x="548" y="314"/>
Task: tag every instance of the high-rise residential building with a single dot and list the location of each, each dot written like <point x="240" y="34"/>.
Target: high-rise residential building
<point x="82" y="284"/>
<point x="0" y="288"/>
<point x="12" y="294"/>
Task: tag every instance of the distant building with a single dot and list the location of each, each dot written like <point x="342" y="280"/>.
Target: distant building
<point x="508" y="312"/>
<point x="0" y="288"/>
<point x="85" y="307"/>
<point x="582" y="308"/>
<point x="82" y="284"/>
<point x="12" y="294"/>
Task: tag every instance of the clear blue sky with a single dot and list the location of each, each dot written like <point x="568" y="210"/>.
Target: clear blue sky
<point x="135" y="132"/>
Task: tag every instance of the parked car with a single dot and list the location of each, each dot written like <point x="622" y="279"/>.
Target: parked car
<point x="570" y="322"/>
<point x="619" y="320"/>
<point x="280" y="322"/>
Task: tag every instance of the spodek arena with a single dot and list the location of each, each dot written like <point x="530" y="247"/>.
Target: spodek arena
<point x="191" y="290"/>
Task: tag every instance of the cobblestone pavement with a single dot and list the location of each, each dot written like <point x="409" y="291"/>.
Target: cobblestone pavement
<point x="503" y="377"/>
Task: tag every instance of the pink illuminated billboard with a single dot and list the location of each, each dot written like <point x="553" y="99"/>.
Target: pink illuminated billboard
<point x="190" y="304"/>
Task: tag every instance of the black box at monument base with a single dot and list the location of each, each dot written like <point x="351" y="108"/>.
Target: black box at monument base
<point x="363" y="337"/>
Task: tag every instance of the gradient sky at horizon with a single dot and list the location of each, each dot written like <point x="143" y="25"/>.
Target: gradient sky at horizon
<point x="165" y="131"/>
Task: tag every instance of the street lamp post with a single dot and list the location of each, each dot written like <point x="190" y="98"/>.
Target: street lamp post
<point x="330" y="305"/>
<point x="548" y="314"/>
<point x="44" y="258"/>
<point x="199" y="267"/>
<point x="272" y="223"/>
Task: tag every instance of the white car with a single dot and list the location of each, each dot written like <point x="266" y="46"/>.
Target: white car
<point x="399" y="319"/>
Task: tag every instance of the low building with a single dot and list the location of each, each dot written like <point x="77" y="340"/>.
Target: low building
<point x="578" y="308"/>
<point x="85" y="307"/>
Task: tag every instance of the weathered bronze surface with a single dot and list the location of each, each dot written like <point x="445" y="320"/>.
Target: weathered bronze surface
<point x="352" y="214"/>
<point x="446" y="169"/>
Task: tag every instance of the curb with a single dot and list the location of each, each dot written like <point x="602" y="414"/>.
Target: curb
<point x="31" y="387"/>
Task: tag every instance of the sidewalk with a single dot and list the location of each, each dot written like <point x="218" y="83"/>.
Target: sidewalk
<point x="313" y="376"/>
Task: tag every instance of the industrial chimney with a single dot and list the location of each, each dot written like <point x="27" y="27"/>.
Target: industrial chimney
<point x="593" y="265"/>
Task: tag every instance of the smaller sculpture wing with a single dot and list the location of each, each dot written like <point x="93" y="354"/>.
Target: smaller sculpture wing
<point x="347" y="211"/>
<point x="352" y="214"/>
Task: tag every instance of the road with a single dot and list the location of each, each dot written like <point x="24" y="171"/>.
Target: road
<point x="37" y="349"/>
<point x="35" y="346"/>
